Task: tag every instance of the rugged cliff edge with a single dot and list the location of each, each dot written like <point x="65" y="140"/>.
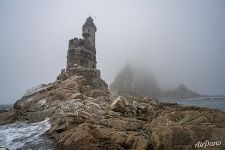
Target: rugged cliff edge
<point x="85" y="118"/>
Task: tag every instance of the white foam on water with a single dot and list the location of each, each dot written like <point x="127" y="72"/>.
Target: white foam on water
<point x="15" y="136"/>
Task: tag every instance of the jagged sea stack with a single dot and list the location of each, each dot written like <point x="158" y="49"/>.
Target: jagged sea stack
<point x="81" y="57"/>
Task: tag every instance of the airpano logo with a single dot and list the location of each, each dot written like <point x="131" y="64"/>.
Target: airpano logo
<point x="207" y="143"/>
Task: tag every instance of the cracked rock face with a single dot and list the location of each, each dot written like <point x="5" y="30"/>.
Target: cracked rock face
<point x="85" y="118"/>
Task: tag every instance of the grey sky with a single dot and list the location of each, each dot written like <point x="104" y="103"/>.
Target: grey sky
<point x="180" y="41"/>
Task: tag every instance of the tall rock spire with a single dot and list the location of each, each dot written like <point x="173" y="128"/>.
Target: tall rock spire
<point x="81" y="56"/>
<point x="88" y="33"/>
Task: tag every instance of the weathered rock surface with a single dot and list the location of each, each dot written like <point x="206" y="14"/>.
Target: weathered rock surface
<point x="85" y="118"/>
<point x="7" y="117"/>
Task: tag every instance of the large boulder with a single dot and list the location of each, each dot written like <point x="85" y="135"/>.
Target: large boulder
<point x="184" y="128"/>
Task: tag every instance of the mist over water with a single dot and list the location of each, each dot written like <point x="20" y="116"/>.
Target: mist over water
<point x="180" y="42"/>
<point x="134" y="80"/>
<point x="214" y="102"/>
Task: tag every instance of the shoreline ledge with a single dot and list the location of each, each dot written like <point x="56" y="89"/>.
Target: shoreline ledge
<point x="82" y="117"/>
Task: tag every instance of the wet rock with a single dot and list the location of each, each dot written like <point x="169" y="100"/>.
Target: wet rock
<point x="7" y="117"/>
<point x="83" y="120"/>
<point x="182" y="129"/>
<point x="119" y="104"/>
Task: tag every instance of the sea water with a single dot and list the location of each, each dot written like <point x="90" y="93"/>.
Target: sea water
<point x="21" y="135"/>
<point x="213" y="102"/>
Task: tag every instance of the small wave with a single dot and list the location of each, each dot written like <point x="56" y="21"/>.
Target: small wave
<point x="21" y="135"/>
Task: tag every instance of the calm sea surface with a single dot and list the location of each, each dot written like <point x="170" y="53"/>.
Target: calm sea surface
<point x="208" y="102"/>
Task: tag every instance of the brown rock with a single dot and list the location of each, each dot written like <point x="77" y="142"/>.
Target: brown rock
<point x="77" y="95"/>
<point x="183" y="129"/>
<point x="7" y="117"/>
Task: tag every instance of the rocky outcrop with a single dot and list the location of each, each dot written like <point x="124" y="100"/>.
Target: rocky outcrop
<point x="7" y="117"/>
<point x="82" y="118"/>
<point x="182" y="92"/>
<point x="50" y="99"/>
<point x="81" y="57"/>
<point x="135" y="81"/>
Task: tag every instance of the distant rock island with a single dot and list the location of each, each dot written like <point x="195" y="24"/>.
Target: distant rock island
<point x="182" y="92"/>
<point x="83" y="115"/>
<point x="133" y="81"/>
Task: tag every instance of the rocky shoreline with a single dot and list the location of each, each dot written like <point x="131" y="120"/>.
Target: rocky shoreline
<point x="82" y="117"/>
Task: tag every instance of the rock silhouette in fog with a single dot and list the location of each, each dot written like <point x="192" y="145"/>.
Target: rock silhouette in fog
<point x="181" y="92"/>
<point x="136" y="82"/>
